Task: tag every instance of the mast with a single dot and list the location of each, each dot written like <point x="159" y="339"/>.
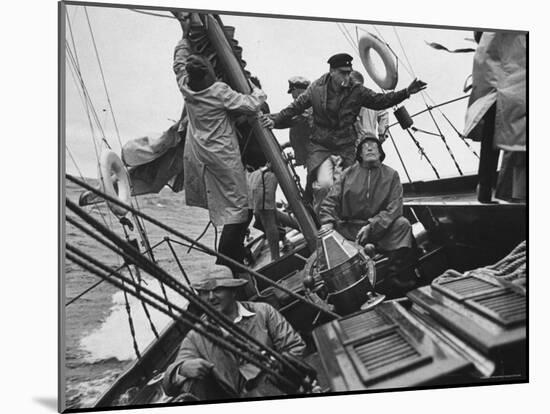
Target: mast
<point x="266" y="139"/>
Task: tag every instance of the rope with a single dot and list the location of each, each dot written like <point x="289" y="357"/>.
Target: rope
<point x="399" y="155"/>
<point x="140" y="280"/>
<point x="230" y="260"/>
<point x="131" y="323"/>
<point x="182" y="270"/>
<point x="143" y="305"/>
<point x="129" y="253"/>
<point x="200" y="235"/>
<point x="188" y="319"/>
<point x="189" y="245"/>
<point x="462" y="137"/>
<point x="142" y="231"/>
<point x="421" y="151"/>
<point x="444" y="140"/>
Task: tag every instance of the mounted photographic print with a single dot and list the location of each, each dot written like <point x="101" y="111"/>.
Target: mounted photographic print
<point x="260" y="206"/>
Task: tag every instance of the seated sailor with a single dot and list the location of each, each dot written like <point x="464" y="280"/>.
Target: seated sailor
<point x="207" y="371"/>
<point x="366" y="205"/>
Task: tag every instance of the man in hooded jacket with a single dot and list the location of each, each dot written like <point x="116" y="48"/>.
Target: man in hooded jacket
<point x="366" y="205"/>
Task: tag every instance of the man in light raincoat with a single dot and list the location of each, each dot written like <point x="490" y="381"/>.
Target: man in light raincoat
<point x="214" y="173"/>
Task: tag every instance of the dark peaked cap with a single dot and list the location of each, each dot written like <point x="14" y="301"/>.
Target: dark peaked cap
<point x="340" y="60"/>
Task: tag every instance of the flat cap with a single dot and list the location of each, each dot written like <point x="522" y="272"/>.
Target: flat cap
<point x="219" y="276"/>
<point x="297" y="82"/>
<point x="340" y="60"/>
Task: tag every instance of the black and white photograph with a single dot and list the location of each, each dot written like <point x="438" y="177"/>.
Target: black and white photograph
<point x="266" y="206"/>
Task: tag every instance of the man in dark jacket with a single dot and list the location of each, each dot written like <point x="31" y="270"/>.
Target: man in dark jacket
<point x="336" y="101"/>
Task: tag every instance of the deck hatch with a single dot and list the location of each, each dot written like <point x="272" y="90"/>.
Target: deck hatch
<point x="505" y="307"/>
<point x="363" y="325"/>
<point x="466" y="287"/>
<point x="385" y="354"/>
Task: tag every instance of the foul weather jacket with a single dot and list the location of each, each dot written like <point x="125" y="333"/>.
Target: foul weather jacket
<point x="214" y="173"/>
<point x="367" y="196"/>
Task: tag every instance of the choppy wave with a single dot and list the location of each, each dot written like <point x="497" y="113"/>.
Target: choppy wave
<point x="113" y="338"/>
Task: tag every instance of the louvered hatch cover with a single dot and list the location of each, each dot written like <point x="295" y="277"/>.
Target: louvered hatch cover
<point x="505" y="307"/>
<point x="363" y="324"/>
<point x="466" y="287"/>
<point x="385" y="354"/>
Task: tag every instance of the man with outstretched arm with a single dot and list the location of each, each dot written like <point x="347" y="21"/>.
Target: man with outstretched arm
<point x="336" y="101"/>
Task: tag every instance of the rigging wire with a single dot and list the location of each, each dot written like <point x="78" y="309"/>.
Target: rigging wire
<point x="143" y="305"/>
<point x="152" y="14"/>
<point x="434" y="105"/>
<point x="75" y="62"/>
<point x="449" y="150"/>
<point x="353" y="42"/>
<point x="144" y="233"/>
<point x="89" y="104"/>
<point x="399" y="155"/>
<point x="103" y="76"/>
<point x="85" y="94"/>
<point x="350" y="41"/>
<point x="131" y="323"/>
<point x="153" y="328"/>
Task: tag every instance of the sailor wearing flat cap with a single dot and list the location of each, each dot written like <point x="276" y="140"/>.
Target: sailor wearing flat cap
<point x="336" y="102"/>
<point x="340" y="60"/>
<point x="205" y="370"/>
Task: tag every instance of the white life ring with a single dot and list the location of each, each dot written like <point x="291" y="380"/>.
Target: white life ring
<point x="368" y="42"/>
<point x="114" y="181"/>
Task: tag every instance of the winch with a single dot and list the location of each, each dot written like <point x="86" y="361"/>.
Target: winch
<point x="347" y="273"/>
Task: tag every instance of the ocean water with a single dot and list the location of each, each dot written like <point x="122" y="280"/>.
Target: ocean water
<point x="98" y="341"/>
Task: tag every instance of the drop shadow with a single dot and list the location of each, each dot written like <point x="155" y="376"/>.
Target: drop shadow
<point x="48" y="402"/>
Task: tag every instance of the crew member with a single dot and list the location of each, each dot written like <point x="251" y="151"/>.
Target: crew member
<point x="370" y="122"/>
<point x="214" y="173"/>
<point x="366" y="205"/>
<point x="336" y="102"/>
<point x="207" y="371"/>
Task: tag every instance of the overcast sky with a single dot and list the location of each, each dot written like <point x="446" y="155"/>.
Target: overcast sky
<point x="136" y="54"/>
